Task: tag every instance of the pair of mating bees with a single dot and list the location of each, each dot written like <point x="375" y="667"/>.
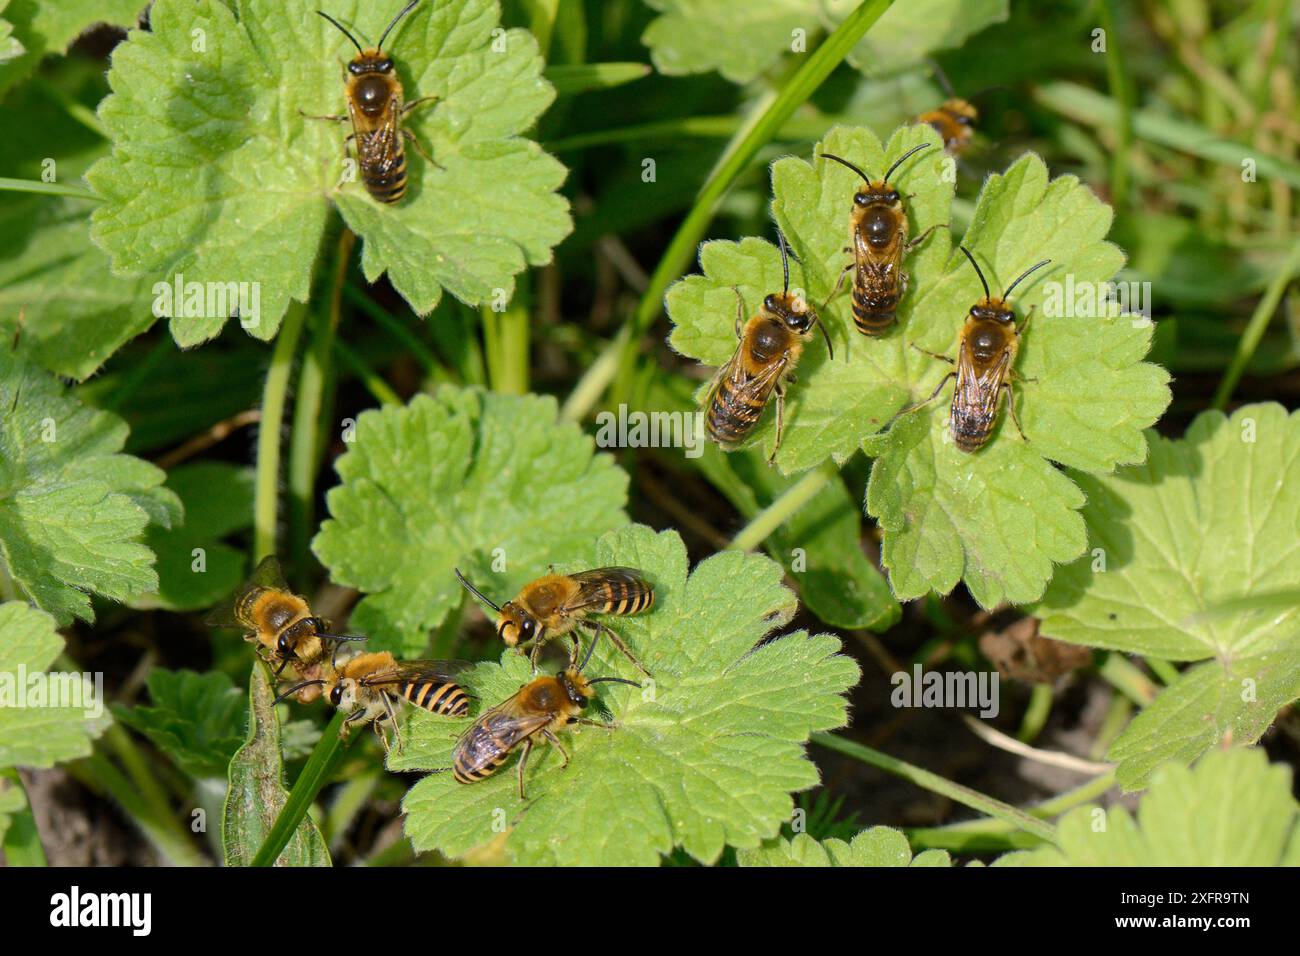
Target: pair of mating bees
<point x="376" y="109"/>
<point x="371" y="686"/>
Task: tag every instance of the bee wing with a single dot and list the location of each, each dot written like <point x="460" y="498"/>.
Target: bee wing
<point x="267" y="574"/>
<point x="976" y="392"/>
<point x="758" y="388"/>
<point x="593" y="586"/>
<point x="377" y="140"/>
<point x="496" y="730"/>
<point x="444" y="671"/>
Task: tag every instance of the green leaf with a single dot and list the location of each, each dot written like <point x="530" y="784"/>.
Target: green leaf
<point x="32" y="732"/>
<point x="195" y="719"/>
<point x="462" y="479"/>
<point x="218" y="501"/>
<point x="257" y="792"/>
<point x="581" y="77"/>
<point x="217" y="176"/>
<point x="42" y="27"/>
<point x="10" y="47"/>
<point x="878" y="846"/>
<point x="1231" y="809"/>
<point x="13" y="801"/>
<point x="909" y="32"/>
<point x="679" y="769"/>
<point x="1001" y="518"/>
<point x="1209" y="520"/>
<point x="76" y="312"/>
<point x="72" y="509"/>
<point x="742" y="40"/>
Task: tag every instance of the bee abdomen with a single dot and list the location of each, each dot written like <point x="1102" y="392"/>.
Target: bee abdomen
<point x="628" y="596"/>
<point x="387" y="185"/>
<point x="970" y="433"/>
<point x="874" y="312"/>
<point x="731" y="418"/>
<point x="437" y="697"/>
<point x="465" y="772"/>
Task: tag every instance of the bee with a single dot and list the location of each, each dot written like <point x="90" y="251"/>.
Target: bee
<point x="770" y="345"/>
<point x="375" y="107"/>
<point x="554" y="605"/>
<point x="374" y="683"/>
<point x="984" y="369"/>
<point x="542" y="706"/>
<point x="878" y="241"/>
<point x="280" y="623"/>
<point x="954" y="120"/>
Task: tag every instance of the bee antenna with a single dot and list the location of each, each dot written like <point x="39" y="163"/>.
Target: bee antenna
<point x="899" y="162"/>
<point x="844" y="162"/>
<point x="942" y="77"/>
<point x="826" y="335"/>
<point x="343" y="29"/>
<point x="405" y="10"/>
<point x="613" y="680"/>
<point x="785" y="258"/>
<point x="295" y="688"/>
<point x="987" y="293"/>
<point x="476" y="592"/>
<point x="1036" y="266"/>
<point x="590" y="647"/>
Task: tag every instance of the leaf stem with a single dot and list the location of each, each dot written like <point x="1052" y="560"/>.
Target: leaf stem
<point x="1036" y="714"/>
<point x="394" y="326"/>
<point x="746" y="142"/>
<point x="780" y="510"/>
<point x="309" y="402"/>
<point x="267" y="477"/>
<point x="941" y="785"/>
<point x="47" y="189"/>
<point x="1125" y="677"/>
<point x="1259" y="320"/>
<point x="375" y="385"/>
<point x="315" y="774"/>
<point x="1122" y="92"/>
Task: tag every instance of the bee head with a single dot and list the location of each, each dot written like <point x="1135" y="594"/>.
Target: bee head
<point x="343" y="692"/>
<point x="792" y="310"/>
<point x="515" y="625"/>
<point x="576" y="687"/>
<point x="994" y="310"/>
<point x="961" y="112"/>
<point x="371" y="61"/>
<point x="284" y="647"/>
<point x="878" y="194"/>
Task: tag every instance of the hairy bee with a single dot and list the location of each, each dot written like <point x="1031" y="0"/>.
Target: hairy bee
<point x="280" y="623"/>
<point x="542" y="706"/>
<point x="878" y="241"/>
<point x="554" y="605"/>
<point x="374" y="683"/>
<point x="954" y="120"/>
<point x="770" y="345"/>
<point x="984" y="369"/>
<point x="375" y="107"/>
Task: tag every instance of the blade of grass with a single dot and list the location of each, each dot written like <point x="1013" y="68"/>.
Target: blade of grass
<point x="49" y="189"/>
<point x="396" y="328"/>
<point x="1259" y="320"/>
<point x="780" y="510"/>
<point x="315" y="774"/>
<point x="967" y="797"/>
<point x="767" y="117"/>
<point x="1122" y="91"/>
<point x="266" y="480"/>
<point x="581" y="77"/>
<point x="374" y="384"/>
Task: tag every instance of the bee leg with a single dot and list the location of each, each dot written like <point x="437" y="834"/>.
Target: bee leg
<point x="532" y="655"/>
<point x="349" y="721"/>
<point x="329" y="117"/>
<point x="618" y="642"/>
<point x="392" y="720"/>
<point x="420" y="102"/>
<point x="780" y="422"/>
<point x="419" y="148"/>
<point x="911" y="408"/>
<point x="523" y="762"/>
<point x="740" y="311"/>
<point x="933" y="354"/>
<point x="1011" y="407"/>
<point x="921" y="238"/>
<point x="555" y="742"/>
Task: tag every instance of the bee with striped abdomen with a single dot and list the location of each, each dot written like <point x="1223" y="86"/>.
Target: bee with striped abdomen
<point x="554" y="605"/>
<point x="769" y="349"/>
<point x="375" y="107"/>
<point x="954" y="120"/>
<point x="984" y="368"/>
<point x="374" y="683"/>
<point x="540" y="707"/>
<point x="877" y="241"/>
<point x="280" y="623"/>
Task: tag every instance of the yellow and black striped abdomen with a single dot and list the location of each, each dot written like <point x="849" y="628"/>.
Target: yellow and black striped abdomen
<point x="877" y="288"/>
<point x="732" y="414"/>
<point x="626" y="594"/>
<point x="438" y="697"/>
<point x="386" y="180"/>
<point x="479" y="754"/>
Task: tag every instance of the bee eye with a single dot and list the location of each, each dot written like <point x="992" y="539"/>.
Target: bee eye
<point x="336" y="695"/>
<point x="861" y="199"/>
<point x="769" y="303"/>
<point x="283" y="646"/>
<point x="528" y="627"/>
